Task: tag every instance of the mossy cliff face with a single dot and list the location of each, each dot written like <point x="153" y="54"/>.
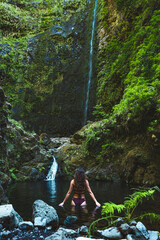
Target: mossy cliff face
<point x="107" y="152"/>
<point x="124" y="146"/>
<point x="45" y="73"/>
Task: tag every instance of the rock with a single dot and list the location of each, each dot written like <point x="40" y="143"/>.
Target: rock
<point x="131" y="237"/>
<point x="119" y="222"/>
<point x="83" y="230"/>
<point x="1" y="227"/>
<point x="27" y="225"/>
<point x="62" y="234"/>
<point x="70" y="220"/>
<point x="9" y="218"/>
<point x="6" y="235"/>
<point x="40" y="222"/>
<point x="85" y="238"/>
<point x="43" y="210"/>
<point x="4" y="178"/>
<point x="34" y="172"/>
<point x="111" y="233"/>
<point x="153" y="235"/>
<point x="124" y="229"/>
<point x="141" y="231"/>
<point x="133" y="229"/>
<point x="133" y="223"/>
<point x="44" y="139"/>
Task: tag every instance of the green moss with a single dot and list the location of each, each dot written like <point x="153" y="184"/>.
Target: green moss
<point x="128" y="76"/>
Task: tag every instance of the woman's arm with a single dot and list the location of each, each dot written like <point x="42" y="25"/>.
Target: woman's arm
<point x="91" y="194"/>
<point x="68" y="193"/>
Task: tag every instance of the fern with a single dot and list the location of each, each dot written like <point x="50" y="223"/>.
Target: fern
<point x="127" y="208"/>
<point x="110" y="208"/>
<point x="153" y="217"/>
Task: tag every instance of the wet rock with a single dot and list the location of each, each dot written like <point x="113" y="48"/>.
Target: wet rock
<point x="83" y="230"/>
<point x="6" y="234"/>
<point x="119" y="222"/>
<point x="1" y="227"/>
<point x="63" y="234"/>
<point x="9" y="218"/>
<point x="40" y="222"/>
<point x="85" y="238"/>
<point x="131" y="237"/>
<point x="4" y="178"/>
<point x="133" y="229"/>
<point x="70" y="220"/>
<point x="111" y="233"/>
<point x="124" y="229"/>
<point x="34" y="172"/>
<point x="153" y="235"/>
<point x="27" y="225"/>
<point x="141" y="231"/>
<point x="133" y="223"/>
<point x="43" y="210"/>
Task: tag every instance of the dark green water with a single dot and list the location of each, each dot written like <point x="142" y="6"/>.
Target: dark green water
<point x="22" y="196"/>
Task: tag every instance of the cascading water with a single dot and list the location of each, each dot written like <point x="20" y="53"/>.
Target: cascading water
<point x="53" y="170"/>
<point x="90" y="62"/>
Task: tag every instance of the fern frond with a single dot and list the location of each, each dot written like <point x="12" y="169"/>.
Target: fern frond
<point x="152" y="217"/>
<point x="137" y="197"/>
<point x="111" y="208"/>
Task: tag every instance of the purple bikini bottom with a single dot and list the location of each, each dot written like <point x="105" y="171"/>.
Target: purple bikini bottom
<point x="78" y="201"/>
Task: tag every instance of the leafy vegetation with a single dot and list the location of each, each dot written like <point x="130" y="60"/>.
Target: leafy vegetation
<point x="126" y="211"/>
<point x="128" y="79"/>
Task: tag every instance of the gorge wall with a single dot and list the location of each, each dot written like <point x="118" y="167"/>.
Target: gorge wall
<point x="48" y="92"/>
<point x="124" y="143"/>
<point x="46" y="86"/>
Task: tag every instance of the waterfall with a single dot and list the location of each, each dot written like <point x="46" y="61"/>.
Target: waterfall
<point x="53" y="170"/>
<point x="90" y="62"/>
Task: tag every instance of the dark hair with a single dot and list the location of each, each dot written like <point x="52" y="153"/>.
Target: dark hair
<point x="80" y="179"/>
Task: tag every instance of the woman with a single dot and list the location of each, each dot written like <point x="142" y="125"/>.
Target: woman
<point x="79" y="184"/>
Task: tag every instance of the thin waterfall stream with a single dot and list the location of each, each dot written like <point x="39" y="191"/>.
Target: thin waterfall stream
<point x="90" y="62"/>
<point x="53" y="170"/>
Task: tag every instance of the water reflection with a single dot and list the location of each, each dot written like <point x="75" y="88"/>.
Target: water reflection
<point x="51" y="191"/>
<point x="23" y="195"/>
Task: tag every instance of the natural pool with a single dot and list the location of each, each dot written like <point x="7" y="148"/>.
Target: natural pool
<point x="22" y="196"/>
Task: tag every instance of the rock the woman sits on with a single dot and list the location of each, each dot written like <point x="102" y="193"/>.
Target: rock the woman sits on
<point x="78" y="185"/>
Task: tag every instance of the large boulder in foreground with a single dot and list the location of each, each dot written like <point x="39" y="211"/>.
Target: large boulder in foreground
<point x="44" y="211"/>
<point x="9" y="218"/>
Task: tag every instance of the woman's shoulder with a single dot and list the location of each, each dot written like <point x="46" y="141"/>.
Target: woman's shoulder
<point x="86" y="181"/>
<point x="72" y="181"/>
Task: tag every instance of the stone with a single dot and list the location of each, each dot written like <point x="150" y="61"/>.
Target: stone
<point x="141" y="231"/>
<point x="133" y="223"/>
<point x="1" y="227"/>
<point x="9" y="218"/>
<point x="34" y="172"/>
<point x="6" y="234"/>
<point x="63" y="234"/>
<point x="26" y="225"/>
<point x="83" y="230"/>
<point x="124" y="229"/>
<point x="85" y="238"/>
<point x="40" y="222"/>
<point x="131" y="237"/>
<point x="43" y="210"/>
<point x="111" y="233"/>
<point x="119" y="222"/>
<point x="153" y="235"/>
<point x="70" y="220"/>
